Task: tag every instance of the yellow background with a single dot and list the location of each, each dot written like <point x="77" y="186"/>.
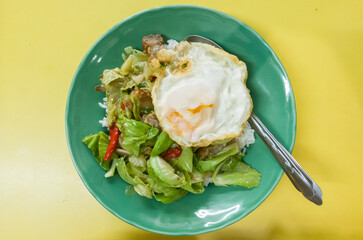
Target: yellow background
<point x="320" y="44"/>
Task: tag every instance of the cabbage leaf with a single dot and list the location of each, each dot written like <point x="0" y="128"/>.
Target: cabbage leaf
<point x="134" y="133"/>
<point x="210" y="164"/>
<point x="162" y="144"/>
<point x="98" y="144"/>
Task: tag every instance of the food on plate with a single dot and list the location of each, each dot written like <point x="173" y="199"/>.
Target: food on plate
<point x="176" y="115"/>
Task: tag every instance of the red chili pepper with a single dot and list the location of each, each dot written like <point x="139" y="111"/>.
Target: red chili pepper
<point x="114" y="134"/>
<point x="172" y="152"/>
<point x="122" y="106"/>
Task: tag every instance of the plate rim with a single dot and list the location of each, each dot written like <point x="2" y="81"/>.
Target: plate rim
<point x="182" y="232"/>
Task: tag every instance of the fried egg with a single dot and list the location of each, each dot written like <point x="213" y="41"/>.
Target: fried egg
<point x="201" y="96"/>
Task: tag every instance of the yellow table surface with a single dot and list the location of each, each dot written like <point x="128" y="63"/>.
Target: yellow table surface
<point x="320" y="44"/>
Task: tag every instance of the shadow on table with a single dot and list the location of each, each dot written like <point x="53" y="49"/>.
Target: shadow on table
<point x="143" y="235"/>
<point x="274" y="233"/>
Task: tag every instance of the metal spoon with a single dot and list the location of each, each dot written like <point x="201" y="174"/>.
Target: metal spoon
<point x="301" y="180"/>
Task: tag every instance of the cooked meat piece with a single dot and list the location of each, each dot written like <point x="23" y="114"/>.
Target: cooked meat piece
<point x="145" y="98"/>
<point x="128" y="103"/>
<point x="151" y="41"/>
<point x="205" y="152"/>
<point x="100" y="88"/>
<point x="152" y="44"/>
<point x="152" y="120"/>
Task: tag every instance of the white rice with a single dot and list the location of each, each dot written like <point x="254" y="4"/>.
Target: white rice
<point x="103" y="122"/>
<point x="103" y="105"/>
<point x="247" y="137"/>
<point x="171" y="44"/>
<point x="207" y="178"/>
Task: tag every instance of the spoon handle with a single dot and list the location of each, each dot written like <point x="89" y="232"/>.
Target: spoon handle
<point x="301" y="180"/>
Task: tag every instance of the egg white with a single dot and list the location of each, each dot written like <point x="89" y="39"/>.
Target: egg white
<point x="202" y="96"/>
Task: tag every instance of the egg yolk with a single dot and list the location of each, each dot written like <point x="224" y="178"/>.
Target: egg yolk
<point x="181" y="125"/>
<point x="200" y="108"/>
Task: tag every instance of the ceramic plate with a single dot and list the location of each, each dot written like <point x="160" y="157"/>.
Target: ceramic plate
<point x="273" y="101"/>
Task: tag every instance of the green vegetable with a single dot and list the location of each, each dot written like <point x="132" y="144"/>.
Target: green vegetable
<point x="134" y="133"/>
<point x="136" y="106"/>
<point x="98" y="144"/>
<point x="152" y="133"/>
<point x="196" y="176"/>
<point x="162" y="144"/>
<point x="134" y="62"/>
<point x="123" y="171"/>
<point x="128" y="113"/>
<point x="126" y="66"/>
<point x="138" y="172"/>
<point x="113" y="81"/>
<point x="133" y="68"/>
<point x="248" y="179"/>
<point x="139" y="67"/>
<point x="143" y="190"/>
<point x="140" y="56"/>
<point x="146" y="110"/>
<point x="138" y="162"/>
<point x="185" y="161"/>
<point x="231" y="163"/>
<point x="132" y="81"/>
<point x="150" y="142"/>
<point x="113" y="100"/>
<point x="111" y="172"/>
<point x="211" y="163"/>
<point x="165" y="172"/>
<point x="110" y="75"/>
<point x="196" y="187"/>
<point x="137" y="167"/>
<point x="143" y="84"/>
<point x="130" y="173"/>
<point x="235" y="172"/>
<point x="170" y="196"/>
<point x="161" y="191"/>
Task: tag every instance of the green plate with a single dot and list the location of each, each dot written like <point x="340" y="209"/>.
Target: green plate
<point x="273" y="100"/>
